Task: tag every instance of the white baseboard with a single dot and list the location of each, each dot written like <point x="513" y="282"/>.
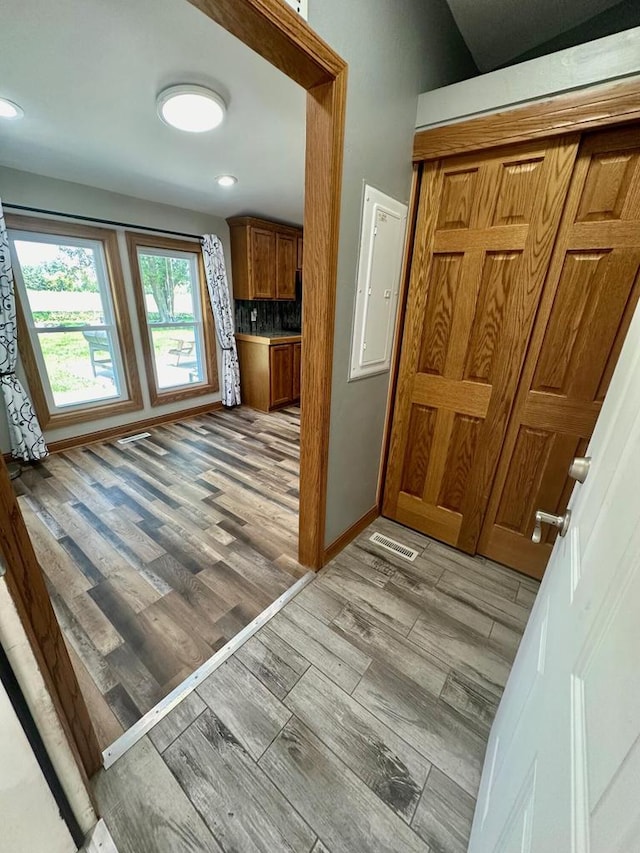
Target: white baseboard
<point x="100" y="840"/>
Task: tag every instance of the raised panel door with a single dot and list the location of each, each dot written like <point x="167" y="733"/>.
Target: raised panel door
<point x="297" y="369"/>
<point x="263" y="263"/>
<point x="281" y="374"/>
<point x="285" y="266"/>
<point x="486" y="225"/>
<point x="589" y="297"/>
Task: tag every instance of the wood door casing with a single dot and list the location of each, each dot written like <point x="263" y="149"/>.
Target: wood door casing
<point x="589" y="298"/>
<point x="263" y="263"/>
<point x="286" y="252"/>
<point x="485" y="231"/>
<point x="281" y="373"/>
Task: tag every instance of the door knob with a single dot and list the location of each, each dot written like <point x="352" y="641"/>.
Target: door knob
<point x="559" y="521"/>
<point x="579" y="468"/>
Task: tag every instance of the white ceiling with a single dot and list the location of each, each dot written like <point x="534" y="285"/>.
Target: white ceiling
<point x="499" y="30"/>
<point x="87" y="72"/>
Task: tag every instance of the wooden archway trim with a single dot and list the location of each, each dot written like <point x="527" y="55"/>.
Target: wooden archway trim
<point x="595" y="107"/>
<point x="283" y="38"/>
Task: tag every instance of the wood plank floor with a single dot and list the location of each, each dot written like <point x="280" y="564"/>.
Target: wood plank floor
<point x="355" y="720"/>
<point x="157" y="552"/>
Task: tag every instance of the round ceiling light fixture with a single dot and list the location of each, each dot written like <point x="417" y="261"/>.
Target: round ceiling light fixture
<point x="10" y="110"/>
<point x="226" y="180"/>
<point x="194" y="109"/>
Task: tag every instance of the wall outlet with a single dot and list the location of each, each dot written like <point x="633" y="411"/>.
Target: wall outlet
<point x="254" y="315"/>
<point x="301" y="7"/>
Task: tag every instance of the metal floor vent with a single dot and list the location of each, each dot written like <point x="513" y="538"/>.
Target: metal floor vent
<point x="137" y="437"/>
<point x="395" y="547"/>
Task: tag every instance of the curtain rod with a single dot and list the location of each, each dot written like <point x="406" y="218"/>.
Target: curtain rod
<point x="100" y="221"/>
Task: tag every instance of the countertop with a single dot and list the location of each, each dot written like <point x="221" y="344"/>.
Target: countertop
<point x="270" y="337"/>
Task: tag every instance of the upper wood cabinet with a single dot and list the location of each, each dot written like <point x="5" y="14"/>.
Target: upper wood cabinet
<point x="285" y="266"/>
<point x="264" y="258"/>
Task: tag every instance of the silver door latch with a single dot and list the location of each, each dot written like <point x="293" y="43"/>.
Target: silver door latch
<point x="579" y="468"/>
<point x="559" y="521"/>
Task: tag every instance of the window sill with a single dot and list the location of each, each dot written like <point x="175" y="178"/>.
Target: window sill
<point x="173" y="395"/>
<point x="56" y="420"/>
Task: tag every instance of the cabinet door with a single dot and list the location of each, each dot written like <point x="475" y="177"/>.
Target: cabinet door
<point x="263" y="263"/>
<point x="589" y="298"/>
<point x="299" y="252"/>
<point x="281" y="373"/>
<point x="285" y="266"/>
<point x="297" y="366"/>
<point x="485" y="231"/>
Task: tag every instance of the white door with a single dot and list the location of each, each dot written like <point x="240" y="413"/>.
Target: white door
<point x="562" y="770"/>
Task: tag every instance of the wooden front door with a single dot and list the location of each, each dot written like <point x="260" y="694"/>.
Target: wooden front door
<point x="484" y="236"/>
<point x="588" y="301"/>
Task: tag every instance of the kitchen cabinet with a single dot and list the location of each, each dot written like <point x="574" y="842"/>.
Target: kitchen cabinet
<point x="299" y="251"/>
<point x="285" y="266"/>
<point x="269" y="369"/>
<point x="281" y="374"/>
<point x="297" y="369"/>
<point x="264" y="258"/>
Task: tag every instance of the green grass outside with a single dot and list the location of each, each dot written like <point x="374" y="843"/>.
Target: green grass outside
<point x="66" y="355"/>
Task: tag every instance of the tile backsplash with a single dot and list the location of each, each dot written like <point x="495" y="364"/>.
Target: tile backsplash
<point x="272" y="315"/>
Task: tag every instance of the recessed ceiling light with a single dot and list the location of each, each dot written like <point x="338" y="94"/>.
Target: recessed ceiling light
<point x="10" y="110"/>
<point x="226" y="180"/>
<point x="191" y="108"/>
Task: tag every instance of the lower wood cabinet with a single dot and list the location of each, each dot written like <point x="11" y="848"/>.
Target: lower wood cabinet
<point x="297" y="370"/>
<point x="269" y="370"/>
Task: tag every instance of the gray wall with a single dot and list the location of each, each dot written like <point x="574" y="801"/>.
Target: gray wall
<point x="38" y="191"/>
<point x="395" y="50"/>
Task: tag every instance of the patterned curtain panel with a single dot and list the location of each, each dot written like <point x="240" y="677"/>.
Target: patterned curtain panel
<point x="221" y="306"/>
<point x="27" y="441"/>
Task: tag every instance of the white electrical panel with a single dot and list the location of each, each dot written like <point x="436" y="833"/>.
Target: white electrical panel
<point x="301" y="7"/>
<point x="381" y="243"/>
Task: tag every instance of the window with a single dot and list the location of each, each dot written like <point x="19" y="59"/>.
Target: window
<point x="77" y="336"/>
<point x="175" y="318"/>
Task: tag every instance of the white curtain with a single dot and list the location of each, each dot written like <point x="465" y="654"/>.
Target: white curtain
<point x="27" y="441"/>
<point x="221" y="306"/>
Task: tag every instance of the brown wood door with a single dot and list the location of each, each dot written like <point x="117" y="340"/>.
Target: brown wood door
<point x="591" y="292"/>
<point x="263" y="263"/>
<point x="297" y="367"/>
<point x="485" y="231"/>
<point x="285" y="266"/>
<point x="281" y="373"/>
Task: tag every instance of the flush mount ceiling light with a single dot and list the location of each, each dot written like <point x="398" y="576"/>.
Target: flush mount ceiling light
<point x="191" y="108"/>
<point x="10" y="110"/>
<point x="226" y="180"/>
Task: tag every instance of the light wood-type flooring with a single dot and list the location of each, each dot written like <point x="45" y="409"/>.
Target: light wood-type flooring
<point x="157" y="552"/>
<point x="355" y="720"/>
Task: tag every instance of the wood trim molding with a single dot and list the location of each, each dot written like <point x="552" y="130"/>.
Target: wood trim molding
<point x="279" y="35"/>
<point x="590" y="108"/>
<point x="26" y="585"/>
<point x="325" y="138"/>
<point x="283" y="38"/>
<point x="401" y="311"/>
<point x="350" y="534"/>
<point x="131" y="428"/>
<point x="136" y="240"/>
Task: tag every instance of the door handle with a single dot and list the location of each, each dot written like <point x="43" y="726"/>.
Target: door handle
<point x="579" y="468"/>
<point x="559" y="521"/>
